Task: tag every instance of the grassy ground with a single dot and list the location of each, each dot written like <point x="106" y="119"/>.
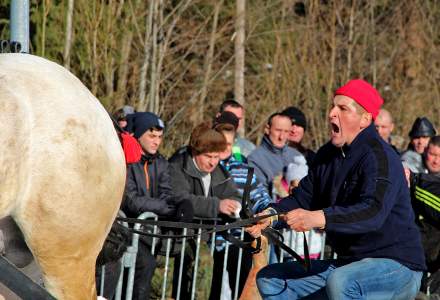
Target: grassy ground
<point x="204" y="276"/>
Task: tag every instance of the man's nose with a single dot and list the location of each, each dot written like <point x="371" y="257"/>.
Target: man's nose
<point x="332" y="113"/>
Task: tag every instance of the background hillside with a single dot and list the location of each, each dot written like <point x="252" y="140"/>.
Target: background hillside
<point x="155" y="55"/>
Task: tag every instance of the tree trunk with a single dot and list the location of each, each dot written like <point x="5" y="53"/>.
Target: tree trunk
<point x="350" y="40"/>
<point x="209" y="60"/>
<point x="68" y="40"/>
<point x="46" y="9"/>
<point x="373" y="36"/>
<point x="147" y="46"/>
<point x="153" y="77"/>
<point x="239" y="56"/>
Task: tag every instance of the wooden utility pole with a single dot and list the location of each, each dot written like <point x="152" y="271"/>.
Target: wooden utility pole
<point x="239" y="56"/>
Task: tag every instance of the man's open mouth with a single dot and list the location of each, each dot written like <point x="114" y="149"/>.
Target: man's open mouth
<point x="335" y="127"/>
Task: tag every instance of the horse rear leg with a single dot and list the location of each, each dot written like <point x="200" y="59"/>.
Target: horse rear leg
<point x="259" y="261"/>
<point x="69" y="277"/>
<point x="67" y="258"/>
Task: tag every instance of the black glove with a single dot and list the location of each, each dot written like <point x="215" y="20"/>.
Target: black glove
<point x="115" y="244"/>
<point x="185" y="211"/>
<point x="169" y="210"/>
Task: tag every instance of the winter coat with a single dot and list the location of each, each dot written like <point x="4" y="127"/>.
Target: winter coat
<point x="425" y="196"/>
<point x="258" y="195"/>
<point x="364" y="194"/>
<point x="186" y="181"/>
<point x="270" y="161"/>
<point x="413" y="160"/>
<point x="158" y="199"/>
<point x="244" y="146"/>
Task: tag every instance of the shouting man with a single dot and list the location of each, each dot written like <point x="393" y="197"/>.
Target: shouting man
<point x="357" y="192"/>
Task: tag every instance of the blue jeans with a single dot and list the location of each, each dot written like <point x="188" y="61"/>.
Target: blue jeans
<point x="369" y="278"/>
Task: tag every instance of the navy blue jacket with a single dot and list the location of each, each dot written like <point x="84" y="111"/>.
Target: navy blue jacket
<point x="366" y="201"/>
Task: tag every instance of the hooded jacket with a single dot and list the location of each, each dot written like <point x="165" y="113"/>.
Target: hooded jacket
<point x="186" y="181"/>
<point x="366" y="201"/>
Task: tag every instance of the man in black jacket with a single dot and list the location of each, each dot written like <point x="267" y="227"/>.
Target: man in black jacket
<point x="425" y="197"/>
<point x="148" y="188"/>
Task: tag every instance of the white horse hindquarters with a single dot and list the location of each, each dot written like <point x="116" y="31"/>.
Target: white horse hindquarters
<point x="14" y="145"/>
<point x="74" y="171"/>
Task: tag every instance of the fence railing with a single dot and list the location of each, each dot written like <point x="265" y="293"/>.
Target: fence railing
<point x="316" y="243"/>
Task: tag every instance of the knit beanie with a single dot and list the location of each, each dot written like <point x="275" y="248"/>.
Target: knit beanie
<point x="140" y="122"/>
<point x="364" y="94"/>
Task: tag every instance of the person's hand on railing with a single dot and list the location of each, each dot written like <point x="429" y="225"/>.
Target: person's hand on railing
<point x="185" y="211"/>
<point x="255" y="230"/>
<point x="168" y="209"/>
<point x="228" y="206"/>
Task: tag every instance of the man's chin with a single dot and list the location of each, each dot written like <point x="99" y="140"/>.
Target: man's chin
<point x="152" y="151"/>
<point x="279" y="145"/>
<point x="337" y="142"/>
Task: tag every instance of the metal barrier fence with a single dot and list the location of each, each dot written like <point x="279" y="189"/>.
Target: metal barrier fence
<point x="316" y="243"/>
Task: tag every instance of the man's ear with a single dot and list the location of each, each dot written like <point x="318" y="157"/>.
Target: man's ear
<point x="267" y="129"/>
<point x="392" y="127"/>
<point x="366" y="120"/>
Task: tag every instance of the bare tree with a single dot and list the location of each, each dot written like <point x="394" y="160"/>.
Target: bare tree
<point x="292" y="57"/>
<point x="350" y="39"/>
<point x="209" y="60"/>
<point x="239" y="55"/>
<point x="68" y="39"/>
<point x="46" y="4"/>
<point x="146" y="58"/>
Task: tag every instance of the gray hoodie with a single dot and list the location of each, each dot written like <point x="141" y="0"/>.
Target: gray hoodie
<point x="270" y="161"/>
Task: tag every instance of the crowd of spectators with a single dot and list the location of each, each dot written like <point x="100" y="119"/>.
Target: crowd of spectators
<point x="210" y="172"/>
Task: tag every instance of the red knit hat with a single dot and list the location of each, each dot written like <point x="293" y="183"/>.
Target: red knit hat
<point x="364" y="94"/>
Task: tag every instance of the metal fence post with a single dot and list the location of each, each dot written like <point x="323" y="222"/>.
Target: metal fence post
<point x="19" y="23"/>
<point x="240" y="255"/>
<point x="196" y="265"/>
<point x="182" y="258"/>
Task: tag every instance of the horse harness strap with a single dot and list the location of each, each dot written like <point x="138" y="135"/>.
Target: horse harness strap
<point x="208" y="228"/>
<point x="247" y="212"/>
<point x="272" y="234"/>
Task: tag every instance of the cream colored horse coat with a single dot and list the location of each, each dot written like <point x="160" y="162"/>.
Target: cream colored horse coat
<point x="62" y="170"/>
